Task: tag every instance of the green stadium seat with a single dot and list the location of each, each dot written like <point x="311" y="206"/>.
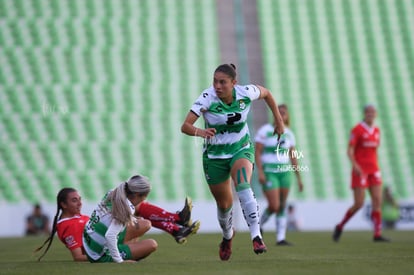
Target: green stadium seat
<point x="87" y="156"/>
<point x="26" y="153"/>
<point x="8" y="157"/>
<point x="66" y="154"/>
<point x="49" y="156"/>
<point x="349" y="76"/>
<point x="24" y="182"/>
<point x="7" y="191"/>
<point x="10" y="128"/>
<point x="64" y="179"/>
<point x="88" y="185"/>
<point x="44" y="183"/>
<point x="69" y="127"/>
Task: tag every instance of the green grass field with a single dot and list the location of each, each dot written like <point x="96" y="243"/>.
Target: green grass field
<point x="313" y="253"/>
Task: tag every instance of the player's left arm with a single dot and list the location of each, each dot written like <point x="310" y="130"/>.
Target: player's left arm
<point x="271" y="102"/>
<point x="259" y="148"/>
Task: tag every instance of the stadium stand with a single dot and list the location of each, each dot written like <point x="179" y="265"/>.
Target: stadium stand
<point x="326" y="59"/>
<point x="92" y="93"/>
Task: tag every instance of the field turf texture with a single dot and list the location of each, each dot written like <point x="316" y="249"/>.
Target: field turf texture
<point x="312" y="253"/>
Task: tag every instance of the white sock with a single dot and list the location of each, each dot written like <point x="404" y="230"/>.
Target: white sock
<point x="281" y="223"/>
<point x="225" y="218"/>
<point x="250" y="209"/>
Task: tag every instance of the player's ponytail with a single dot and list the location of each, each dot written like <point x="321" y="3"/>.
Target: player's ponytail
<point x="61" y="197"/>
<point x="120" y="208"/>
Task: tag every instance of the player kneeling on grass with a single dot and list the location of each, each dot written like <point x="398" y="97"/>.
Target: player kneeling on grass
<point x="69" y="223"/>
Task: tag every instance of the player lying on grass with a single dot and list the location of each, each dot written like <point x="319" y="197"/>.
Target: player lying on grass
<point x="69" y="223"/>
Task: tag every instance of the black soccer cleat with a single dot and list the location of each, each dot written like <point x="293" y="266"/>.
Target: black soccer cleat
<point x="381" y="239"/>
<point x="184" y="232"/>
<point x="185" y="213"/>
<point x="284" y="243"/>
<point x="337" y="233"/>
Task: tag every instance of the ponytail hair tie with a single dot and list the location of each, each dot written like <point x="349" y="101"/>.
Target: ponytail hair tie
<point x="127" y="190"/>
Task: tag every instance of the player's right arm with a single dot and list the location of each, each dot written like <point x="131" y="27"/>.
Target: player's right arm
<point x="351" y="156"/>
<point x="353" y="140"/>
<point x="111" y="237"/>
<point x="200" y="105"/>
<point x="189" y="128"/>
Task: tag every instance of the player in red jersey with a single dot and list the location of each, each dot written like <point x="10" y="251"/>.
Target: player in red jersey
<point x="362" y="152"/>
<point x="70" y="223"/>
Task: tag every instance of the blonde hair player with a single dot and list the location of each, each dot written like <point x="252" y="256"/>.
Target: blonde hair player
<point x="69" y="223"/>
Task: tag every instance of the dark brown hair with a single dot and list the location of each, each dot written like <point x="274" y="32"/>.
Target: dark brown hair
<point x="61" y="197"/>
<point x="228" y="69"/>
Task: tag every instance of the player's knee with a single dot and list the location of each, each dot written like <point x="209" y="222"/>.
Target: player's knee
<point x="152" y="245"/>
<point x="274" y="208"/>
<point x="358" y="205"/>
<point x="145" y="224"/>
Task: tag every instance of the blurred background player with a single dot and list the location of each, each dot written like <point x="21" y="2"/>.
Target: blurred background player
<point x="275" y="160"/>
<point x="362" y="152"/>
<point x="69" y="223"/>
<point x="390" y="209"/>
<point x="37" y="223"/>
<point x="228" y="151"/>
<point x="293" y="223"/>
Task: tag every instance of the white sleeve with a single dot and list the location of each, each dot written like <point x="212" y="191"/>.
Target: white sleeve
<point x="202" y="103"/>
<point x="292" y="139"/>
<point x="111" y="237"/>
<point x="252" y="91"/>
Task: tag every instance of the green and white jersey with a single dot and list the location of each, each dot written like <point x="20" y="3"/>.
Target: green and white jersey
<point x="230" y="121"/>
<point x="275" y="154"/>
<point x="95" y="243"/>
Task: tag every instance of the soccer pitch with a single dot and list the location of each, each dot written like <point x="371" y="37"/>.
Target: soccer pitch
<point x="312" y="253"/>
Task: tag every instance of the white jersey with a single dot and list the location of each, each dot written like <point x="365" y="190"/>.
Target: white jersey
<point x="230" y="121"/>
<point x="101" y="232"/>
<point x="274" y="152"/>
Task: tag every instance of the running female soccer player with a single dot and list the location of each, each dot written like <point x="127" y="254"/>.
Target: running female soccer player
<point x="362" y="152"/>
<point x="273" y="160"/>
<point x="228" y="150"/>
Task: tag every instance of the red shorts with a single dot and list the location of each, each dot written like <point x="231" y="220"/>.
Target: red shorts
<point x="367" y="181"/>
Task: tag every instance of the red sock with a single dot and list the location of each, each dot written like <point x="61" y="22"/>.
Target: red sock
<point x="346" y="218"/>
<point x="168" y="227"/>
<point x="376" y="218"/>
<point x="154" y="213"/>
